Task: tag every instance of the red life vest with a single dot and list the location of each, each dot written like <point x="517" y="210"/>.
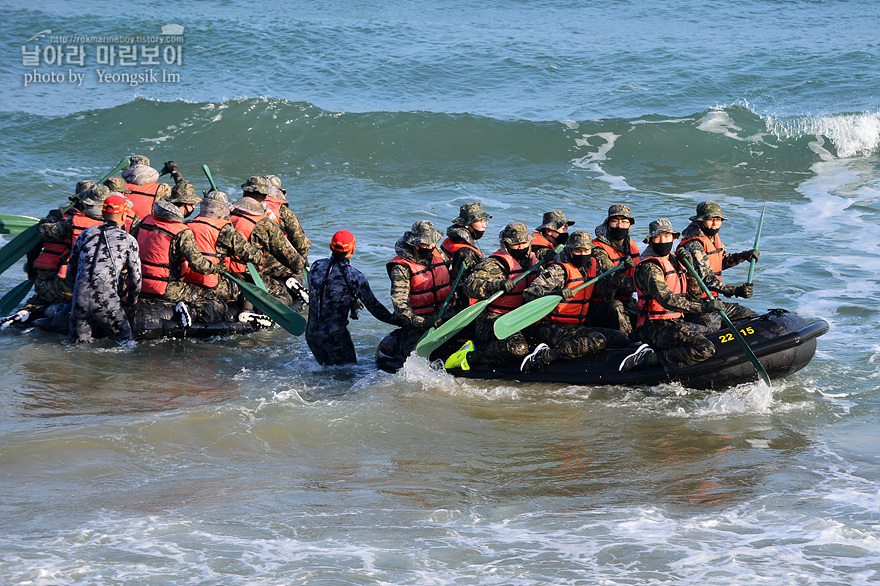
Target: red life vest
<point x="649" y="308"/>
<point x="79" y="222"/>
<point x="52" y="253"/>
<point x="616" y="257"/>
<point x="575" y="309"/>
<point x="129" y="219"/>
<point x="540" y="240"/>
<point x="450" y="247"/>
<point x="428" y="285"/>
<point x="273" y="208"/>
<point x="714" y="250"/>
<point x="513" y="299"/>
<point x="154" y="240"/>
<point x="206" y="231"/>
<point x="142" y="197"/>
<point x="244" y="224"/>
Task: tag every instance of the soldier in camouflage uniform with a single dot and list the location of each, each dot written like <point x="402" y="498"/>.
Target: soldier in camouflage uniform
<point x="551" y="233"/>
<point x="104" y="261"/>
<point x="337" y="291"/>
<point x="612" y="304"/>
<point x="496" y="273"/>
<point x="461" y="245"/>
<point x="566" y="332"/>
<point x="142" y="181"/>
<point x="661" y="285"/>
<point x="702" y="247"/>
<point x="286" y="218"/>
<point x="281" y="262"/>
<point x="132" y="220"/>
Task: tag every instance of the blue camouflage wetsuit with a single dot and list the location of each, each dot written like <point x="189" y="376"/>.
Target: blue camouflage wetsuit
<point x="335" y="290"/>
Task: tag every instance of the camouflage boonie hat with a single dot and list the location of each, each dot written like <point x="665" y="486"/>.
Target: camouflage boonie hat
<point x="81" y="188"/>
<point x="515" y="233"/>
<point x="217" y="196"/>
<point x="579" y="239"/>
<point x="622" y="211"/>
<point x="184" y="193"/>
<point x="116" y="184"/>
<point x="139" y="160"/>
<point x="706" y="210"/>
<point x="274" y="181"/>
<point x="658" y="227"/>
<point x="554" y="219"/>
<point x="422" y="232"/>
<point x="256" y="184"/>
<point x="95" y="195"/>
<point x="470" y="213"/>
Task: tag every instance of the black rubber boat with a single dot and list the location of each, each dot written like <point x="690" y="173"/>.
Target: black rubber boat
<point x="784" y="343"/>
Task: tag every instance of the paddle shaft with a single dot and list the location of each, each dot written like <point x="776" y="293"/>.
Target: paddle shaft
<point x="210" y="178"/>
<point x="742" y="341"/>
<point x="461" y="271"/>
<point x="757" y="242"/>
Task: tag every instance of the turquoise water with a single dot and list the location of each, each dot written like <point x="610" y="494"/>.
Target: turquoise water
<point x="241" y="461"/>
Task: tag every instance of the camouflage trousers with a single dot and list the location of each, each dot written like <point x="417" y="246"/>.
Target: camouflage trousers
<point x="49" y="288"/>
<point x="492" y="351"/>
<point x="573" y="340"/>
<point x="206" y="307"/>
<point x="677" y="343"/>
<point x="97" y="308"/>
<point x="613" y="315"/>
<point x="734" y="311"/>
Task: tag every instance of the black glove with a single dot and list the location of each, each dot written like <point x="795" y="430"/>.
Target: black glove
<point x="171" y="167"/>
<point x="628" y="262"/>
<point x="712" y="306"/>
<point x="566" y="293"/>
<point x="751" y="254"/>
<point x="744" y="290"/>
<point x="431" y="322"/>
<point x="508" y="286"/>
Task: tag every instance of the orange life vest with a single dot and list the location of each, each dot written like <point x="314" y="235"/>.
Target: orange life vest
<point x="616" y="257"/>
<point x="142" y="197"/>
<point x="539" y="239"/>
<point x="450" y="247"/>
<point x="649" y="308"/>
<point x="513" y="299"/>
<point x="154" y="240"/>
<point x="714" y="250"/>
<point x="244" y="224"/>
<point x="575" y="309"/>
<point x="52" y="253"/>
<point x="273" y="208"/>
<point x="428" y="285"/>
<point x="79" y="222"/>
<point x="206" y="231"/>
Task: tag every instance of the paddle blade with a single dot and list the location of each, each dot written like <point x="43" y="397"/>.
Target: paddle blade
<point x="13" y="297"/>
<point x="10" y="224"/>
<point x="280" y="313"/>
<point x="525" y="315"/>
<point x="436" y="338"/>
<point x="18" y="247"/>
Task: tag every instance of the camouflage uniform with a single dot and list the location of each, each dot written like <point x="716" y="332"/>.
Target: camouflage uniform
<point x="461" y="232"/>
<point x="99" y="259"/>
<point x="288" y="221"/>
<point x="422" y="232"/>
<point x="611" y="312"/>
<point x="677" y="342"/>
<point x="552" y="220"/>
<point x="117" y="185"/>
<point x="140" y="173"/>
<point x="694" y="252"/>
<point x="335" y="290"/>
<point x="487" y="278"/>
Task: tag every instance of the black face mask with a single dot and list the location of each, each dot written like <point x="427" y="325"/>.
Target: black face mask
<point x="477" y="234"/>
<point x="562" y="238"/>
<point x="662" y="248"/>
<point x="581" y="261"/>
<point x="425" y="253"/>
<point x="709" y="232"/>
<point x="521" y="254"/>
<point x="618" y="233"/>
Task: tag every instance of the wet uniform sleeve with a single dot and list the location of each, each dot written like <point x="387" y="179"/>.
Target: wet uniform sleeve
<point x="649" y="277"/>
<point x="550" y="280"/>
<point x="295" y="234"/>
<point x="694" y="252"/>
<point x="463" y="255"/>
<point x="271" y="238"/>
<point x="59" y="231"/>
<point x="731" y="260"/>
<point x="486" y="279"/>
<point x="618" y="284"/>
<point x="400" y="277"/>
<point x="231" y="243"/>
<point x="365" y="294"/>
<point x="185" y="244"/>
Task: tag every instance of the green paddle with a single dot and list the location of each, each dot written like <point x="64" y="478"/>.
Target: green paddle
<point x="306" y="278"/>
<point x="528" y="314"/>
<point x="280" y="313"/>
<point x="14" y="296"/>
<point x="445" y="332"/>
<point x="757" y="242"/>
<point x="21" y="244"/>
<point x="210" y="178"/>
<point x="432" y="329"/>
<point x="11" y="224"/>
<point x="736" y="334"/>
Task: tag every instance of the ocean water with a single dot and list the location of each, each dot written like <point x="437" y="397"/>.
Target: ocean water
<point x="240" y="461"/>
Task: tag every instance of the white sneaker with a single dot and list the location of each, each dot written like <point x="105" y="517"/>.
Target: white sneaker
<point x="297" y="289"/>
<point x="18" y="317"/>
<point x="636" y="359"/>
<point x="258" y="320"/>
<point x="534" y="361"/>
<point x="183" y="314"/>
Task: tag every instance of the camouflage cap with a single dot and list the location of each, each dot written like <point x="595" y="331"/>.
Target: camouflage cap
<point x="622" y="211"/>
<point x="215" y="204"/>
<point x="274" y="181"/>
<point x="579" y="239"/>
<point x="256" y="184"/>
<point x="217" y="196"/>
<point x="706" y="210"/>
<point x="515" y="233"/>
<point x="184" y="193"/>
<point x="422" y="232"/>
<point x="95" y="195"/>
<point x="658" y="227"/>
<point x="81" y="188"/>
<point x="554" y="220"/>
<point x="470" y="213"/>
<point x="116" y="184"/>
<point x="139" y="160"/>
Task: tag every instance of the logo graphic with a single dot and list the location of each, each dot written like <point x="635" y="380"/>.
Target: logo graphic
<point x="175" y="30"/>
<point x="45" y="32"/>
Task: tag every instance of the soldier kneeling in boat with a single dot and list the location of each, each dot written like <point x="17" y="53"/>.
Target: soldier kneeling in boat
<point x="552" y="232"/>
<point x="461" y="246"/>
<point x="662" y="287"/>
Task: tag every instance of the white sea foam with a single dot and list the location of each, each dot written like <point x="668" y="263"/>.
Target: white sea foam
<point x="592" y="161"/>
<point x="852" y="134"/>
